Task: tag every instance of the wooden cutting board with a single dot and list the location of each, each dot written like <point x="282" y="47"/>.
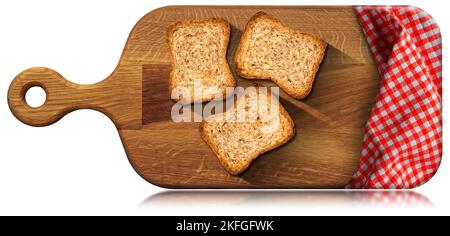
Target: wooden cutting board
<point x="329" y="122"/>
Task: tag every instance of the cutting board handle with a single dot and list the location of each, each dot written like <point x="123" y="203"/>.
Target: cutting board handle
<point x="63" y="96"/>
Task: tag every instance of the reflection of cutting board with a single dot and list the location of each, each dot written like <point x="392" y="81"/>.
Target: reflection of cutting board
<point x="324" y="153"/>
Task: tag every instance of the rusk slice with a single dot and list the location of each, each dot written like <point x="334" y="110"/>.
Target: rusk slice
<point x="237" y="142"/>
<point x="269" y="49"/>
<point x="198" y="50"/>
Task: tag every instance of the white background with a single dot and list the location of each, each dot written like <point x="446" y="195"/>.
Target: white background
<point x="78" y="165"/>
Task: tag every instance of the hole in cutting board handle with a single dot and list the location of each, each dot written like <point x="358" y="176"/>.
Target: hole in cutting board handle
<point x="35" y="96"/>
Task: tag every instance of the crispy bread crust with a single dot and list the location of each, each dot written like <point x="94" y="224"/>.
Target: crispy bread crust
<point x="236" y="169"/>
<point x="229" y="80"/>
<point x="252" y="74"/>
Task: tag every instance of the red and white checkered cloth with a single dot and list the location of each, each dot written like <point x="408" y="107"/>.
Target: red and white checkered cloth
<point x="402" y="145"/>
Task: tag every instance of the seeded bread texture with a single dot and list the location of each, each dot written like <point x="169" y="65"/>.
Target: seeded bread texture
<point x="269" y="49"/>
<point x="198" y="50"/>
<point x="237" y="144"/>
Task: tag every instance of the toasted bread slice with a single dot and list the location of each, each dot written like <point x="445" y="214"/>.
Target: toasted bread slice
<point x="269" y="49"/>
<point x="236" y="142"/>
<point x="198" y="50"/>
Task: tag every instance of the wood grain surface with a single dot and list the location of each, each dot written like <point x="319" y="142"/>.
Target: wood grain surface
<point x="329" y="122"/>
